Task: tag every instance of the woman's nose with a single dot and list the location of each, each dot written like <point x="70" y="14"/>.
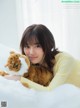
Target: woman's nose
<point x="31" y="51"/>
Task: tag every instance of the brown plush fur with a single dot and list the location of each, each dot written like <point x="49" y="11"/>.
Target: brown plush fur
<point x="39" y="75"/>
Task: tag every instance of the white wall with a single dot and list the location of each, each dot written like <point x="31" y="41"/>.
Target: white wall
<point x="8" y="23"/>
<point x="63" y="19"/>
<point x="45" y="12"/>
<point x="71" y="28"/>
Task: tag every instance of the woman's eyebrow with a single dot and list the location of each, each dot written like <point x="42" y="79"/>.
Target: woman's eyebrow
<point x="26" y="44"/>
<point x="36" y="43"/>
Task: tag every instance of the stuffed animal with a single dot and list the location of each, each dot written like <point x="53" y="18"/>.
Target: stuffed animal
<point x="14" y="64"/>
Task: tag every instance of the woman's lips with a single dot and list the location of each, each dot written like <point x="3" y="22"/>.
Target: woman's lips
<point x="32" y="58"/>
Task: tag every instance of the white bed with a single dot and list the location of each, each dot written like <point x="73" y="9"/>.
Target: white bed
<point x="18" y="96"/>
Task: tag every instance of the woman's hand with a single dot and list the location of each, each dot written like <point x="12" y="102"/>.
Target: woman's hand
<point x="13" y="77"/>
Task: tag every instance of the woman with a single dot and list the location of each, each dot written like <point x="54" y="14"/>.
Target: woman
<point x="49" y="67"/>
<point x="38" y="44"/>
<point x="47" y="63"/>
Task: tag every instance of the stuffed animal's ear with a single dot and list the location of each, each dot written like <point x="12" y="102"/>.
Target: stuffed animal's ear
<point x="12" y="52"/>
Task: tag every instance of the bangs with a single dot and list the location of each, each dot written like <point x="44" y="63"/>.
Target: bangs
<point x="30" y="39"/>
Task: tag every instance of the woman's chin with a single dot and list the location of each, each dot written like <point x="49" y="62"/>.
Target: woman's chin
<point x="34" y="62"/>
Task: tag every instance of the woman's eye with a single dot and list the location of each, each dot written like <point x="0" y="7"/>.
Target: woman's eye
<point x="38" y="45"/>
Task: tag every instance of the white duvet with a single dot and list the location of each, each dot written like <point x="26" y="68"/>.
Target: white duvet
<point x="17" y="96"/>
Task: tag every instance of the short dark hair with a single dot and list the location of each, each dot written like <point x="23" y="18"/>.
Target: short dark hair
<point x="45" y="39"/>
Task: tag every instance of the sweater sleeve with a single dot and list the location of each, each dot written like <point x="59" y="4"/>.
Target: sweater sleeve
<point x="62" y="69"/>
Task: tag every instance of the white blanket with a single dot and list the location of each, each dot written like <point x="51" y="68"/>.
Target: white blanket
<point x="17" y="96"/>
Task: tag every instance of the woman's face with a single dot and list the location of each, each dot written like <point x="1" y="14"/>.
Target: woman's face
<point x="34" y="52"/>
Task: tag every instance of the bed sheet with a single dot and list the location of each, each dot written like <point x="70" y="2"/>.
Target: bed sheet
<point x="18" y="96"/>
